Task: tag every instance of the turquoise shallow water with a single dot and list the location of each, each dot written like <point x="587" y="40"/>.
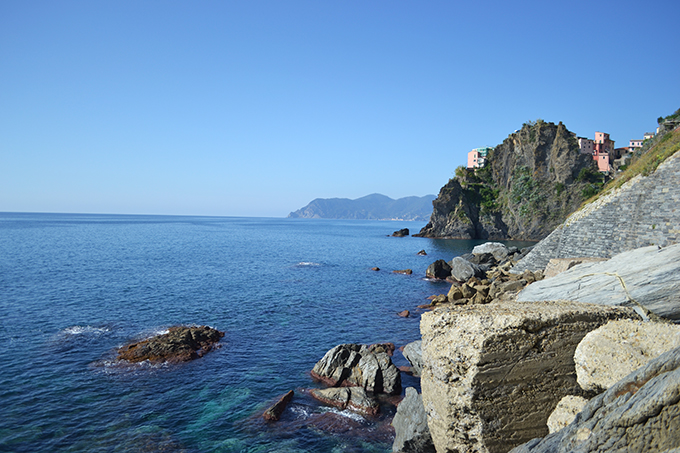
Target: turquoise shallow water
<point x="75" y="287"/>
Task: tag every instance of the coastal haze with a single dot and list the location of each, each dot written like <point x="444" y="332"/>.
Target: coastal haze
<point x="254" y="109"/>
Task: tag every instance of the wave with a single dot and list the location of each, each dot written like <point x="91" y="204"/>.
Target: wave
<point x="84" y="330"/>
<point x="345" y="413"/>
<point x="308" y="264"/>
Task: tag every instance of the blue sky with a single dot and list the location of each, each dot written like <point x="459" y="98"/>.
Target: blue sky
<point x="254" y="108"/>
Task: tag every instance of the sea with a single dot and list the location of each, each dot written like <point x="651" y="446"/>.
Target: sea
<point x="75" y="287"/>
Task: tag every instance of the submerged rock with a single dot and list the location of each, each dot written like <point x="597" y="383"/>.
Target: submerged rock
<point x="274" y="413"/>
<point x="179" y="344"/>
<point x="355" y="365"/>
<point x="401" y="233"/>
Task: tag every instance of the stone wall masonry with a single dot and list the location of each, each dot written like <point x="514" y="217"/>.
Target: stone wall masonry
<point x="644" y="211"/>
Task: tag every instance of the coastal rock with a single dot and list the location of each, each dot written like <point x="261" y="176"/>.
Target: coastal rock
<point x="565" y="412"/>
<point x="410" y="425"/>
<point x="498" y="250"/>
<point x="439" y="269"/>
<point x="558" y="265"/>
<point x="611" y="352"/>
<point x="274" y="412"/>
<point x="404" y="271"/>
<point x="179" y="344"/>
<point x="462" y="270"/>
<point x="355" y="365"/>
<point x="353" y="398"/>
<point x="414" y="355"/>
<point x="404" y="314"/>
<point x="640" y="413"/>
<point x="493" y="373"/>
<point x="401" y="233"/>
<point x="646" y="277"/>
<point x="422" y="253"/>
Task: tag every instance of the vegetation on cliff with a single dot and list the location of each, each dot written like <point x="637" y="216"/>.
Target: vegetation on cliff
<point x="531" y="183"/>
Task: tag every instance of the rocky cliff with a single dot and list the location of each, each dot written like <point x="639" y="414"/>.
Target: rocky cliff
<point x="641" y="212"/>
<point x="531" y="183"/>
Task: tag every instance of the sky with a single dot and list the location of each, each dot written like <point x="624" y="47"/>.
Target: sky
<point x="255" y="108"/>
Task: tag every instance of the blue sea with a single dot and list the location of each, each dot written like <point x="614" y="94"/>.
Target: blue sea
<point x="73" y="288"/>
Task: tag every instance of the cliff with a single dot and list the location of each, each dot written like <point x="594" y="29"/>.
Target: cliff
<point x="370" y="207"/>
<point x="642" y="211"/>
<point x="531" y="183"/>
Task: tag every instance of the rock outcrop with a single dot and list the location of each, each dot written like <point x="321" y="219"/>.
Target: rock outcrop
<point x="646" y="277"/>
<point x="413" y="353"/>
<point x="273" y="414"/>
<point x="179" y="344"/>
<point x="640" y="413"/>
<point x="642" y="212"/>
<point x="410" y="425"/>
<point x="355" y="365"/>
<point x="531" y="183"/>
<point x="493" y="373"/>
<point x="353" y="398"/>
<point x="608" y="354"/>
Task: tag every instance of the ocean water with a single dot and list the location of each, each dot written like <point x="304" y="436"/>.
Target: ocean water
<point x="73" y="288"/>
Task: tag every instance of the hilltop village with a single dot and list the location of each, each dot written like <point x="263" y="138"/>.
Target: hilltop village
<point x="609" y="158"/>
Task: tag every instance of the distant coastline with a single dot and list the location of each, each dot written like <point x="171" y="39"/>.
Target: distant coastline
<point x="371" y="207"/>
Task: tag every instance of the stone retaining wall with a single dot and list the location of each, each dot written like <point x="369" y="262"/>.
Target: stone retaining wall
<point x="644" y="211"/>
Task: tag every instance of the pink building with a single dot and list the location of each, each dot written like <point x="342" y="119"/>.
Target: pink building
<point x="635" y="144"/>
<point x="477" y="157"/>
<point x="604" y="151"/>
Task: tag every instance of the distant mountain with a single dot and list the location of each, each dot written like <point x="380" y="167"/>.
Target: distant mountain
<point x="370" y="207"/>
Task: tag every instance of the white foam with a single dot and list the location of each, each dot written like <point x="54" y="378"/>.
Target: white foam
<point x="345" y="413"/>
<point x="308" y="263"/>
<point x="85" y="330"/>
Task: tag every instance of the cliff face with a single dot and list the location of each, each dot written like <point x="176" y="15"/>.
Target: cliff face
<point x="531" y="183"/>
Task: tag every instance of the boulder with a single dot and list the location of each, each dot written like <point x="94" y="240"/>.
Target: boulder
<point x="608" y="354"/>
<point x="439" y="269"/>
<point x="482" y="259"/>
<point x="454" y="294"/>
<point x="404" y="271"/>
<point x="410" y="426"/>
<point x="178" y="344"/>
<point x="414" y="355"/>
<point x="646" y="278"/>
<point x="353" y="398"/>
<point x="401" y="233"/>
<point x="404" y="314"/>
<point x="494" y="373"/>
<point x="558" y="265"/>
<point x="640" y="413"/>
<point x="498" y="250"/>
<point x="274" y="412"/>
<point x="422" y="253"/>
<point x="565" y="412"/>
<point x="355" y="365"/>
<point x="462" y="270"/>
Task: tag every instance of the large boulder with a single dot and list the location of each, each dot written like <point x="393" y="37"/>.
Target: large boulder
<point x="462" y="270"/>
<point x="640" y="413"/>
<point x="355" y="365"/>
<point x="401" y="233"/>
<point x="414" y="355"/>
<point x="353" y="398"/>
<point x="410" y="425"/>
<point x="646" y="277"/>
<point x="178" y="344"/>
<point x="498" y="250"/>
<point x="439" y="269"/>
<point x="493" y="373"/>
<point x="608" y="354"/>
